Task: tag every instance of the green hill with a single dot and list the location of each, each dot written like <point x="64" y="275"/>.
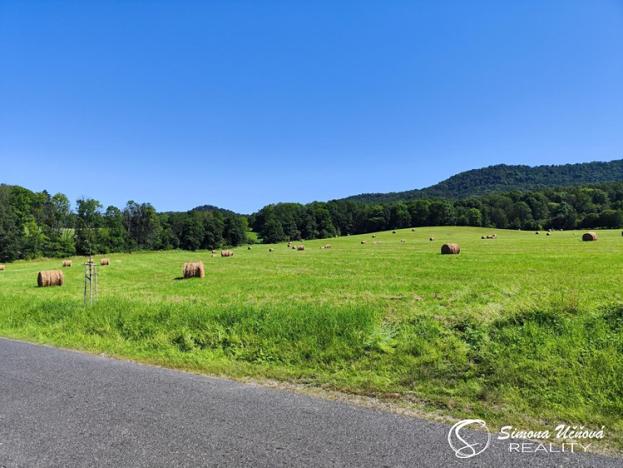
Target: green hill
<point x="504" y="178"/>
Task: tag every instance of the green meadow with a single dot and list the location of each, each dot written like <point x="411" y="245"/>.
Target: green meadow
<point x="524" y="329"/>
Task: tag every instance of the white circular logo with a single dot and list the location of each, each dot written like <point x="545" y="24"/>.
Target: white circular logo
<point x="469" y="444"/>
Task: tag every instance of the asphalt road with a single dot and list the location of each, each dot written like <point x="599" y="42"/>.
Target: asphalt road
<point x="63" y="408"/>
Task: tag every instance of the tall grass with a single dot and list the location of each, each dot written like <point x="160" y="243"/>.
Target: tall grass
<point x="504" y="331"/>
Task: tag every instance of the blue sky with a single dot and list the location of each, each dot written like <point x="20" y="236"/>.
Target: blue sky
<point x="244" y="103"/>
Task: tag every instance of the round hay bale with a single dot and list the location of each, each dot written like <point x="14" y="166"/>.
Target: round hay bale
<point x="249" y="248"/>
<point x="194" y="270"/>
<point x="548" y="234"/>
<point x="50" y="278"/>
<point x="363" y="242"/>
<point x="227" y="253"/>
<point x="2" y="267"/>
<point x="482" y="237"/>
<point x="450" y="249"/>
<point x="270" y="249"/>
<point x="213" y="252"/>
<point x="105" y="262"/>
<point x="66" y="263"/>
<point x="393" y="232"/>
<point x="537" y="232"/>
<point x="412" y="229"/>
<point x="373" y="236"/>
<point x="589" y="236"/>
<point x="431" y="239"/>
<point x="300" y="247"/>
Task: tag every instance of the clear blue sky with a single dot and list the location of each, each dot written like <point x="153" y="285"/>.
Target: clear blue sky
<point x="244" y="103"/>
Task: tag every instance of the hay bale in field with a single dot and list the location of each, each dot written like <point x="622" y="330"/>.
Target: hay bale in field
<point x="227" y="253"/>
<point x="300" y="247"/>
<point x="589" y="236"/>
<point x="450" y="249"/>
<point x="373" y="236"/>
<point x="431" y="239"/>
<point x="193" y="270"/>
<point x="50" y="278"/>
<point x="537" y="232"/>
<point x="2" y="267"/>
<point x="105" y="262"/>
<point x="393" y="232"/>
<point x="412" y="229"/>
<point x="249" y="248"/>
<point x="213" y="252"/>
<point x="363" y="242"/>
<point x="482" y="237"/>
<point x="66" y="263"/>
<point x="548" y="234"/>
<point x="270" y="249"/>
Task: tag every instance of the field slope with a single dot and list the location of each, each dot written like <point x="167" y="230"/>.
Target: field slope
<point x="524" y="329"/>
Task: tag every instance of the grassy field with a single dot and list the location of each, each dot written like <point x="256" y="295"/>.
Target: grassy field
<point x="525" y="329"/>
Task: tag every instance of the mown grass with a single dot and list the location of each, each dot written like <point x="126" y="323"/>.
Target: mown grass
<point x="524" y="330"/>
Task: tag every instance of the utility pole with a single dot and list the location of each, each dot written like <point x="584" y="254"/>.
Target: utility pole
<point x="90" y="281"/>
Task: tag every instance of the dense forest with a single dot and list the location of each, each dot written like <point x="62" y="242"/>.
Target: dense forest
<point x="34" y="224"/>
<point x="39" y="224"/>
<point x="562" y="208"/>
<point x="506" y="178"/>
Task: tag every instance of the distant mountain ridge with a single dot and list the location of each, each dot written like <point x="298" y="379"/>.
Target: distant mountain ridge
<point x="505" y="178"/>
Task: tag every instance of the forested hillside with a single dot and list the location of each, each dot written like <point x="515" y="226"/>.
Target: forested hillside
<point x="504" y="178"/>
<point x="39" y="224"/>
<point x="591" y="206"/>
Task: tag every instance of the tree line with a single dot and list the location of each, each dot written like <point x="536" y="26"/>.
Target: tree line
<point x="35" y="224"/>
<point x="595" y="206"/>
